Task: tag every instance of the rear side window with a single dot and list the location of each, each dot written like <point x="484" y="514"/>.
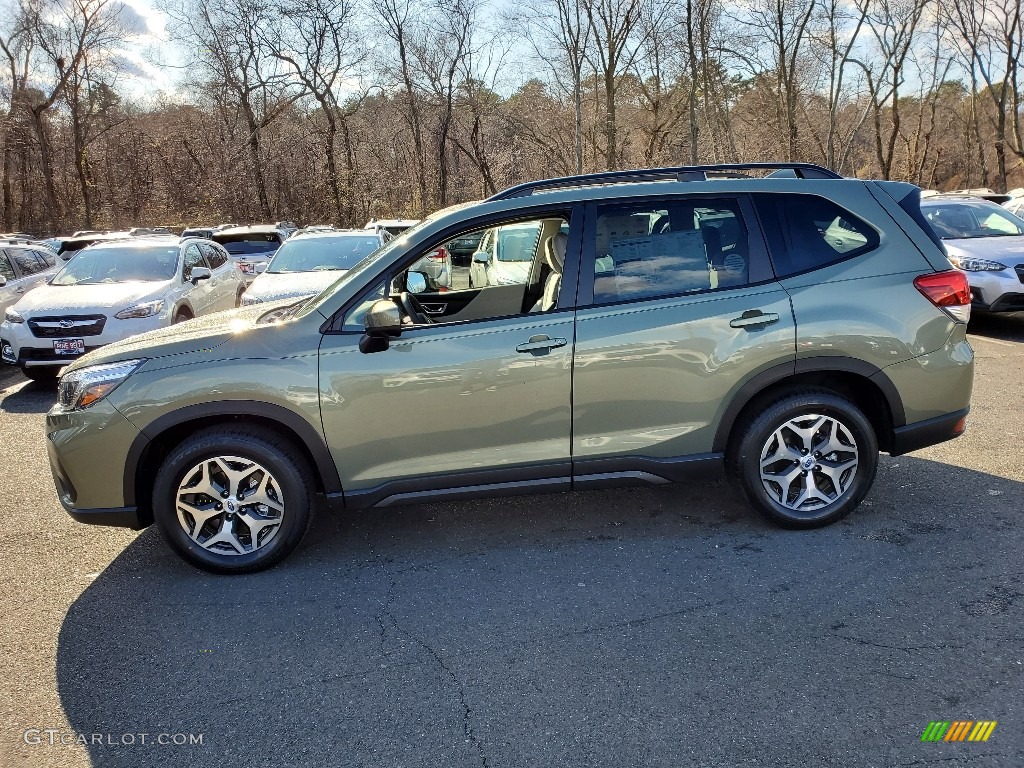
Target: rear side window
<point x="807" y="232"/>
<point x="5" y="267"/>
<point x="668" y="249"/>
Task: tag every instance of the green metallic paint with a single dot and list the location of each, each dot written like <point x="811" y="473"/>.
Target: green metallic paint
<point x="649" y="377"/>
<point x="938" y="382"/>
<point x="80" y="437"/>
<point x="447" y="399"/>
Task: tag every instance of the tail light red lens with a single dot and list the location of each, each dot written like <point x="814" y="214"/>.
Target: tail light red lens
<point x="438" y="255"/>
<point x="948" y="290"/>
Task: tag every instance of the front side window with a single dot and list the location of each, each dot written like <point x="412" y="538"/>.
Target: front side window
<point x="668" y="249"/>
<point x="28" y="261"/>
<point x="516" y="269"/>
<point x="193" y="258"/>
<point x="100" y="264"/>
<point x="215" y="257"/>
<point x="808" y="232"/>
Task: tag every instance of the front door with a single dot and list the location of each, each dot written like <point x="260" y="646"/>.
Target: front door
<point x="475" y="399"/>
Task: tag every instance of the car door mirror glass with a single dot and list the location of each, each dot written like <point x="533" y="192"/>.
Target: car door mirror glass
<point x="415" y="282"/>
<point x="481" y="257"/>
<point x="200" y="273"/>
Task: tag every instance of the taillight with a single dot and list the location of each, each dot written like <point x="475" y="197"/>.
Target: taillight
<point x="438" y="255"/>
<point x="947" y="290"/>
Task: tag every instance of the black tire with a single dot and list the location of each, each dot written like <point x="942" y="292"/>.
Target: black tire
<point x="753" y="437"/>
<point x="43" y="373"/>
<point x="181" y="317"/>
<point x="283" y="461"/>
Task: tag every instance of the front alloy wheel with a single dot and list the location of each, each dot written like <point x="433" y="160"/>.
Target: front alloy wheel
<point x="234" y="498"/>
<point x="230" y="505"/>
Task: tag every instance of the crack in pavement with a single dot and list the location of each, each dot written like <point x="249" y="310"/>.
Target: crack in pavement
<point x="467" y="711"/>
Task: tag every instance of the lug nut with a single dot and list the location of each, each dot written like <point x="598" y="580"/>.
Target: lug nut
<point x="224" y="494"/>
<point x="803" y="451"/>
<point x="804" y="473"/>
<point x="220" y="506"/>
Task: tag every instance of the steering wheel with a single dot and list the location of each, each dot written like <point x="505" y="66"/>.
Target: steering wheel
<point x="412" y="307"/>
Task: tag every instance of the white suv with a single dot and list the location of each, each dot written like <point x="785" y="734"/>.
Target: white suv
<point x="112" y="290"/>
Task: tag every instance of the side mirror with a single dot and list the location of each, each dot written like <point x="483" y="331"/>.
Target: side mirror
<point x="3" y="281"/>
<point x="382" y="321"/>
<point x="200" y="273"/>
<point x="261" y="267"/>
<point x="415" y="282"/>
<point x="481" y="257"/>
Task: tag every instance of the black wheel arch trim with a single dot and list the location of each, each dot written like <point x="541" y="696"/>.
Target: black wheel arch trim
<point x="312" y="440"/>
<point x="757" y="383"/>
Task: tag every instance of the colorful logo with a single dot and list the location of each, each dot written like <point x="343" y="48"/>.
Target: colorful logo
<point x="958" y="730"/>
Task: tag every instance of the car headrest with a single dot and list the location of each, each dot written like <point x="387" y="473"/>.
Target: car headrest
<point x="554" y="250"/>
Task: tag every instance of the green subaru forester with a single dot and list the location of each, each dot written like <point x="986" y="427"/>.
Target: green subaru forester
<point x="634" y="327"/>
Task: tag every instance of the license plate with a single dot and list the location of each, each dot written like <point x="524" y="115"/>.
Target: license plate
<point x="247" y="268"/>
<point x="69" y="346"/>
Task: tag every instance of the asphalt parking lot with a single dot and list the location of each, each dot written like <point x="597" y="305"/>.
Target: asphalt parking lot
<point x="637" y="627"/>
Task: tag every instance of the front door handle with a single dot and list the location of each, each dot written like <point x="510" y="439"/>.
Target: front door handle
<point x="540" y="345"/>
<point x="434" y="309"/>
<point x="754" y="319"/>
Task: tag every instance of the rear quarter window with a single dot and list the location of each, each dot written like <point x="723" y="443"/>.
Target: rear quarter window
<point x="807" y="232"/>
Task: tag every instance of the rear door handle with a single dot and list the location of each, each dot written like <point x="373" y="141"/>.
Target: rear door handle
<point x="539" y="345"/>
<point x="754" y="319"/>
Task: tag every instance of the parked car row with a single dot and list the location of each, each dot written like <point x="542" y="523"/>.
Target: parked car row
<point x="111" y="291"/>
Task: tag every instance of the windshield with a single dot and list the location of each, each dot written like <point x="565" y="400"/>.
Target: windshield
<point x="323" y="253"/>
<point x="93" y="266"/>
<point x="954" y="221"/>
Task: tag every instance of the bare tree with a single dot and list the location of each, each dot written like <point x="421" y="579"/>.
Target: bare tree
<point x="614" y="49"/>
<point x="316" y="39"/>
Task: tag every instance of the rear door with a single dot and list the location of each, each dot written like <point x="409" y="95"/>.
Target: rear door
<point x="678" y="307"/>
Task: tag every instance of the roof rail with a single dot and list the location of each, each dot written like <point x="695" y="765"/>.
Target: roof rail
<point x="678" y="173"/>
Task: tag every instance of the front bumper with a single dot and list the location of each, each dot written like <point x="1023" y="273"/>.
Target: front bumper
<point x="21" y="347"/>
<point x="998" y="291"/>
<point x="88" y="451"/>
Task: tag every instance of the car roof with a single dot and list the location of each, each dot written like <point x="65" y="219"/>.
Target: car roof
<point x="138" y="242"/>
<point x="327" y="234"/>
<point x="935" y="200"/>
<point x="262" y="228"/>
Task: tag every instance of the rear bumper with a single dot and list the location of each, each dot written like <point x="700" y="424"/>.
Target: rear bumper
<point x="928" y="432"/>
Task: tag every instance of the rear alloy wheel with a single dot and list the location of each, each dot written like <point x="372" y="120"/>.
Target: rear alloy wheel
<point x="807" y="460"/>
<point x="233" y="499"/>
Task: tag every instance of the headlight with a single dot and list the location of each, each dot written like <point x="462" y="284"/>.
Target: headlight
<point x="80" y="389"/>
<point x="13" y="317"/>
<point x="971" y="264"/>
<point x="248" y="300"/>
<point x="148" y="309"/>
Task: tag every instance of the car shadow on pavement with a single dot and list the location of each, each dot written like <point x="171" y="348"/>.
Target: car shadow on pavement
<point x="19" y="395"/>
<point x="623" y="627"/>
<point x="1008" y="326"/>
